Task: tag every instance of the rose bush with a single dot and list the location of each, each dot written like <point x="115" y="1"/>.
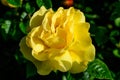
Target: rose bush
<point x="58" y="41"/>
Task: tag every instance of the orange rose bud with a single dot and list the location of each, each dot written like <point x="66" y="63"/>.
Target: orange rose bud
<point x="68" y="3"/>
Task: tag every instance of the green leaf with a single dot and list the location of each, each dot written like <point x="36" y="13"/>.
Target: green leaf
<point x="88" y="9"/>
<point x="64" y="77"/>
<point x="23" y="27"/>
<point x="6" y="26"/>
<point x="16" y="3"/>
<point x="92" y="16"/>
<point x="113" y="35"/>
<point x="67" y="76"/>
<point x="86" y="76"/>
<point x="28" y="8"/>
<point x="116" y="53"/>
<point x="47" y="3"/>
<point x="23" y="15"/>
<point x="117" y="22"/>
<point x="31" y="70"/>
<point x="118" y="75"/>
<point x="100" y="35"/>
<point x="98" y="70"/>
<point x="39" y="3"/>
<point x="19" y="57"/>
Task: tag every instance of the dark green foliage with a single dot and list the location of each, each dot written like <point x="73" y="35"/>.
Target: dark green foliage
<point x="99" y="70"/>
<point x="104" y="19"/>
<point x="16" y="3"/>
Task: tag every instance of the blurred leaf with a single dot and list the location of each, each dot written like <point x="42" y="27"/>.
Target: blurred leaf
<point x="67" y="76"/>
<point x="113" y="40"/>
<point x="98" y="70"/>
<point x="86" y="76"/>
<point x="16" y="3"/>
<point x="114" y="33"/>
<point x="3" y="34"/>
<point x="23" y="27"/>
<point x="116" y="53"/>
<point x="88" y="9"/>
<point x="28" y="8"/>
<point x="64" y="77"/>
<point x="116" y="10"/>
<point x="31" y="70"/>
<point x="92" y="16"/>
<point x="118" y="75"/>
<point x="23" y="15"/>
<point x="6" y="26"/>
<point x="39" y="3"/>
<point x="19" y="57"/>
<point x="118" y="45"/>
<point x="13" y="31"/>
<point x="101" y="35"/>
<point x="117" y="22"/>
<point x="47" y="3"/>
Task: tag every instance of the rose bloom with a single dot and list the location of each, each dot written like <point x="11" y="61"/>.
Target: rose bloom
<point x="58" y="41"/>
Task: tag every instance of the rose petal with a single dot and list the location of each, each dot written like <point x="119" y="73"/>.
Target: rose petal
<point x="57" y="20"/>
<point x="25" y="49"/>
<point x="81" y="34"/>
<point x="57" y="40"/>
<point x="36" y="19"/>
<point x="34" y="41"/>
<point x="46" y="54"/>
<point x="75" y="57"/>
<point x="82" y="44"/>
<point x="78" y="67"/>
<point x="88" y="54"/>
<point x="63" y="62"/>
<point x="46" y="24"/>
<point x="79" y="17"/>
<point x="43" y="67"/>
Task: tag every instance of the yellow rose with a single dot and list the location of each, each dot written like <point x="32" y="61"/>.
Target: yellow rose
<point x="58" y="41"/>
